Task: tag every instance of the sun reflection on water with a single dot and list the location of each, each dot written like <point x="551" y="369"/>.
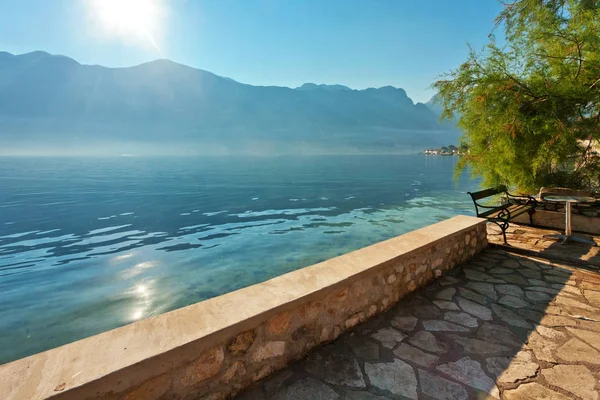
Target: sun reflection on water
<point x="142" y="292"/>
<point x="121" y="257"/>
<point x="146" y="264"/>
<point x="137" y="315"/>
<point x="141" y="289"/>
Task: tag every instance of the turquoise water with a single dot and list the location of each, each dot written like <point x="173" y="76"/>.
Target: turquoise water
<point x="87" y="245"/>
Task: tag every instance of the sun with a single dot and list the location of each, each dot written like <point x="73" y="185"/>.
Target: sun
<point x="129" y="20"/>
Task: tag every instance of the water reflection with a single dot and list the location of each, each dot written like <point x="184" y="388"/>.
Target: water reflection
<point x="146" y="264"/>
<point x="122" y="257"/>
<point x="144" y="300"/>
<point x="141" y="289"/>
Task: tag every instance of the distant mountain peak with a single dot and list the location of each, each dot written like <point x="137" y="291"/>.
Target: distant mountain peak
<point x="38" y="55"/>
<point x="167" y="61"/>
<point x="314" y="86"/>
<point x="162" y="62"/>
<point x="35" y="53"/>
<point x="392" y="89"/>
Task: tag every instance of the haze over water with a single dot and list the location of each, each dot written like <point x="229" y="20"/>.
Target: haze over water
<point x="87" y="245"/>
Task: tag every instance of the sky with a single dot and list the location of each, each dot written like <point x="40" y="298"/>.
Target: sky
<point x="357" y="43"/>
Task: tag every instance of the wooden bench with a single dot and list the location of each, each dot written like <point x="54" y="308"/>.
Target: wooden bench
<point x="502" y="214"/>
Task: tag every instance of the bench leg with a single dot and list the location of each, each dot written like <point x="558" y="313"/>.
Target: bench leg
<point x="531" y="212"/>
<point x="504" y="227"/>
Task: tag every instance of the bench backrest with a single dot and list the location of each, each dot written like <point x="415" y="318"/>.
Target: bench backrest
<point x="487" y="192"/>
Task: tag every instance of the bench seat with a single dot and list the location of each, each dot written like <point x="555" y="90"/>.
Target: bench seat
<point x="514" y="209"/>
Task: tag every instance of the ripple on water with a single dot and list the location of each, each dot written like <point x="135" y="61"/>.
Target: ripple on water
<point x="38" y="242"/>
<point x="104" y="238"/>
<point x="17" y="235"/>
<point x="212" y="214"/>
<point x="108" y="229"/>
<point x="290" y="211"/>
<point x="192" y="227"/>
<point x="47" y="232"/>
<point x="423" y="201"/>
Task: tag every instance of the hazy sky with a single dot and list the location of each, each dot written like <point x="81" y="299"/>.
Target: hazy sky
<point x="358" y="43"/>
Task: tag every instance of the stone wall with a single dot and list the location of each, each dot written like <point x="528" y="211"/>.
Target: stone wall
<point x="584" y="209"/>
<point x="550" y="214"/>
<point x="587" y="210"/>
<point x="216" y="348"/>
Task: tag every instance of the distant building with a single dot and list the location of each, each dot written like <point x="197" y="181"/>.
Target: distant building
<point x="432" y="151"/>
<point x="446" y="151"/>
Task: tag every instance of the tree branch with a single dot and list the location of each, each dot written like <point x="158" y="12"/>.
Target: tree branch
<point x="580" y="60"/>
<point x="561" y="57"/>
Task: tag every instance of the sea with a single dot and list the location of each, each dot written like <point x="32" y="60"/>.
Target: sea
<point x="91" y="244"/>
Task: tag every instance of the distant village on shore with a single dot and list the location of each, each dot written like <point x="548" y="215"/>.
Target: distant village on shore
<point x="450" y="150"/>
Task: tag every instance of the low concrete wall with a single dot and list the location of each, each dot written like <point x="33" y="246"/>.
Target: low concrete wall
<point x="216" y="348"/>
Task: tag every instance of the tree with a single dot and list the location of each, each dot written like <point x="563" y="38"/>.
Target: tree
<point x="530" y="110"/>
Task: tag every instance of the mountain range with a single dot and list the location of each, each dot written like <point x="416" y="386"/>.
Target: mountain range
<point x="53" y="104"/>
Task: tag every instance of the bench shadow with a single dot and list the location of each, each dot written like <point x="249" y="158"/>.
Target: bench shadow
<point x="487" y="327"/>
<point x="584" y="255"/>
<point x="520" y="237"/>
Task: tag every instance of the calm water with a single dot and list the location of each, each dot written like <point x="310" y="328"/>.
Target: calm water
<point x="87" y="245"/>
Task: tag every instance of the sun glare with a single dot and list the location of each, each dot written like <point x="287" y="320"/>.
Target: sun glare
<point x="129" y="20"/>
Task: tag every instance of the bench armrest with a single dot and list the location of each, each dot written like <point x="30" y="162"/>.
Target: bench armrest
<point x="490" y="207"/>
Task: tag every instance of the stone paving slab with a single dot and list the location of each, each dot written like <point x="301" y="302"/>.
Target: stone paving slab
<point x="502" y="326"/>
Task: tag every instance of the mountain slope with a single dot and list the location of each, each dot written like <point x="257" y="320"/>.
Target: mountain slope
<point x="47" y="99"/>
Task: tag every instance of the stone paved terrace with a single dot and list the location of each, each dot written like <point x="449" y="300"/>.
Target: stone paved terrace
<point x="505" y="325"/>
<point x="530" y="240"/>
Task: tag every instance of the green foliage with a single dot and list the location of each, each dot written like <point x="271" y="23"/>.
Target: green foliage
<point x="530" y="110"/>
